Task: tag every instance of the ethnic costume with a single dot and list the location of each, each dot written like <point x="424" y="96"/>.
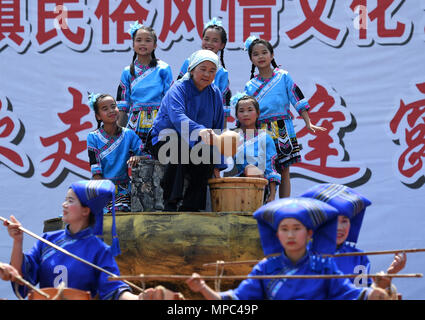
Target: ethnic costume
<point x="184" y="111"/>
<point x="257" y="148"/>
<point x="108" y="157"/>
<point x="275" y="95"/>
<point x="49" y="267"/>
<point x="141" y="96"/>
<point x="352" y="205"/>
<point x="314" y="215"/>
<point x="221" y="80"/>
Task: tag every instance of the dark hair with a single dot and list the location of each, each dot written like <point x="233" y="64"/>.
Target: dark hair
<point x="223" y="36"/>
<point x="154" y="60"/>
<point x="267" y="45"/>
<point x="254" y="102"/>
<point x="96" y="106"/>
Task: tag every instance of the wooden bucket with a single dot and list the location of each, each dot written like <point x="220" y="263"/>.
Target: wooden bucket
<point x="237" y="194"/>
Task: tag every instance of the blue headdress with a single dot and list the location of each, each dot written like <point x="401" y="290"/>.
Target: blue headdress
<point x="96" y="194"/>
<point x="213" y="22"/>
<point x="346" y="200"/>
<point x="313" y="214"/>
<point x="236" y="97"/>
<point x="249" y="41"/>
<point x="133" y="28"/>
<point x="92" y="99"/>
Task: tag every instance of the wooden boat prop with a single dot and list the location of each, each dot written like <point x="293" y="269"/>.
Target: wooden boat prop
<point x="167" y="242"/>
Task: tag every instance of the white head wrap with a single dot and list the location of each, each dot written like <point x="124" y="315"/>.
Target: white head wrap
<point x="198" y="57"/>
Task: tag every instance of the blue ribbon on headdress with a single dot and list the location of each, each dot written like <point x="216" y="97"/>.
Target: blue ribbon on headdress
<point x="92" y="99"/>
<point x="313" y="214"/>
<point x="96" y="194"/>
<point x="236" y="97"/>
<point x="133" y="28"/>
<point x="213" y="22"/>
<point x="346" y="200"/>
<point x="249" y="41"/>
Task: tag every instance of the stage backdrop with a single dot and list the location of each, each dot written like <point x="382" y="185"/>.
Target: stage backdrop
<point x="359" y="62"/>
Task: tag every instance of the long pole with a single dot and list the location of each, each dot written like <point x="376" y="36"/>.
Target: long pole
<point x="239" y="277"/>
<point x="70" y="254"/>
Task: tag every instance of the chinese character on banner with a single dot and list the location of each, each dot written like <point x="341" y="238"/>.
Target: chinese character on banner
<point x="377" y="20"/>
<point x="64" y="158"/>
<point x="408" y="130"/>
<point x="56" y="21"/>
<point x="250" y="17"/>
<point x="14" y="30"/>
<point x="324" y="157"/>
<point x="311" y="19"/>
<point x="120" y="15"/>
<point x="180" y="18"/>
<point x="12" y="131"/>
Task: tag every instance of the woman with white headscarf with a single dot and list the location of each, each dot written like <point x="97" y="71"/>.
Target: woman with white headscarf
<point x="191" y="107"/>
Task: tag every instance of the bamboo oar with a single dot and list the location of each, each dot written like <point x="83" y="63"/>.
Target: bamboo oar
<point x="29" y="285"/>
<point x="143" y="277"/>
<point x="336" y="255"/>
<point x="70" y="254"/>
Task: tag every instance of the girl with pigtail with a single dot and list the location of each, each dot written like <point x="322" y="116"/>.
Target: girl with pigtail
<point x="112" y="149"/>
<point x="214" y="38"/>
<point x="275" y="91"/>
<point x="143" y="83"/>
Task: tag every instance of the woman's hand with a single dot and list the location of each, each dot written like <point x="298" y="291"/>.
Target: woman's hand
<point x="13" y="229"/>
<point x="195" y="283"/>
<point x="208" y="136"/>
<point x="8" y="273"/>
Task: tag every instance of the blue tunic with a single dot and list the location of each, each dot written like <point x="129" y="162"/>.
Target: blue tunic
<point x="275" y="95"/>
<point x="48" y="267"/>
<point x="295" y="289"/>
<point x="109" y="154"/>
<point x="184" y="105"/>
<point x="141" y="95"/>
<point x="257" y="149"/>
<point x="108" y="157"/>
<point x="353" y="264"/>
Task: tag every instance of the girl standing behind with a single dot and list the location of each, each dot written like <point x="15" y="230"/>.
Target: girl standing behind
<point x="112" y="149"/>
<point x="143" y="84"/>
<point x="214" y="38"/>
<point x="258" y="149"/>
<point x="275" y="91"/>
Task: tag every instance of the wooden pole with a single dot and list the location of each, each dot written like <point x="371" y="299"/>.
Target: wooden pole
<point x="70" y="254"/>
<point x="241" y="277"/>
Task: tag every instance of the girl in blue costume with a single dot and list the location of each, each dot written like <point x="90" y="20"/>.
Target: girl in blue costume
<point x="351" y="206"/>
<point x="188" y="111"/>
<point x="143" y="84"/>
<point x="286" y="226"/>
<point x="275" y="91"/>
<point x="83" y="216"/>
<point x="257" y="148"/>
<point x="214" y="38"/>
<point x="112" y="149"/>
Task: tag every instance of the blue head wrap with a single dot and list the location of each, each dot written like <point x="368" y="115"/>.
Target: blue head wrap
<point x="92" y="99"/>
<point x="249" y="41"/>
<point x="313" y="214"/>
<point x="133" y="28"/>
<point x="96" y="194"/>
<point x="236" y="97"/>
<point x="213" y="22"/>
<point x="348" y="202"/>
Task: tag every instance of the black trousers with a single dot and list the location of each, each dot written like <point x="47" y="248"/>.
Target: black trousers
<point x="172" y="183"/>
